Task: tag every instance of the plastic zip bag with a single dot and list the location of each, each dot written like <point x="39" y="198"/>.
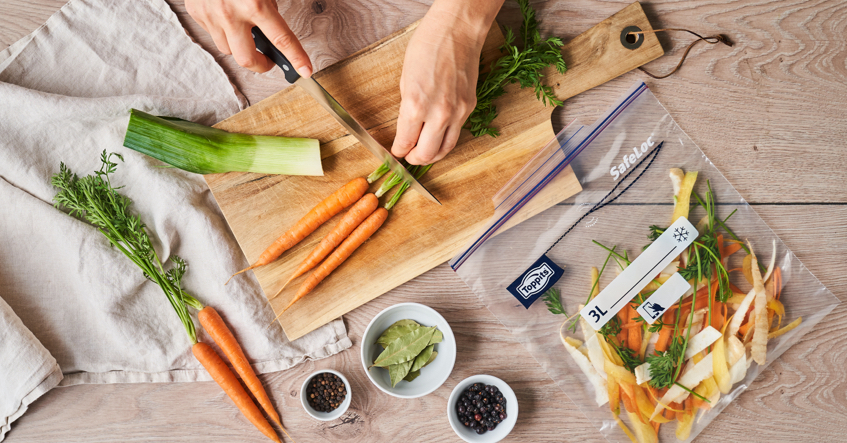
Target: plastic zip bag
<point x="623" y="166"/>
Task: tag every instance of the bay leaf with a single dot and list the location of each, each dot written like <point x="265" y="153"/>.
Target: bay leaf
<point x="412" y="375"/>
<point x="399" y="371"/>
<point x="396" y="330"/>
<point x="422" y="358"/>
<point x="405" y="348"/>
<point x="431" y="359"/>
<point x="437" y="337"/>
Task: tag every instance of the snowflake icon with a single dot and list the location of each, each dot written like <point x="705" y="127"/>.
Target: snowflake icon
<point x="680" y="234"/>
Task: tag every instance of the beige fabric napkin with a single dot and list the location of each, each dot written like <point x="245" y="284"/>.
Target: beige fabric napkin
<point x="65" y="92"/>
<point x="23" y="355"/>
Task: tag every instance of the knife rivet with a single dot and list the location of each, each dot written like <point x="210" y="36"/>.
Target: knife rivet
<point x="285" y="67"/>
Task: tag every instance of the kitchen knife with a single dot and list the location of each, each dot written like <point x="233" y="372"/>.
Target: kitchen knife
<point x="337" y="111"/>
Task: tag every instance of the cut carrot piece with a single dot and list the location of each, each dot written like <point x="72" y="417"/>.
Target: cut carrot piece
<point x="730" y="249"/>
<point x="633" y="341"/>
<point x="664" y="338"/>
<point x="718" y="316"/>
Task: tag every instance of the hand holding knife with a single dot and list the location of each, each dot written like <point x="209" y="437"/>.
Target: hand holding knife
<point x="337" y="111"/>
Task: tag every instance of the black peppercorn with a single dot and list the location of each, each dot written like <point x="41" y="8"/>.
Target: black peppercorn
<point x="325" y="392"/>
<point x="484" y="407"/>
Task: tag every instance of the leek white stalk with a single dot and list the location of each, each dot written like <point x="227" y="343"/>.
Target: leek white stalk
<point x="204" y="150"/>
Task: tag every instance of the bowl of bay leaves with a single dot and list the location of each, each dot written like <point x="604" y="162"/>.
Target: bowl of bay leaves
<point x="408" y="350"/>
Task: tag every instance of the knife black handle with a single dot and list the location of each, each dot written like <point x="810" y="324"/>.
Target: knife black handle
<point x="266" y="47"/>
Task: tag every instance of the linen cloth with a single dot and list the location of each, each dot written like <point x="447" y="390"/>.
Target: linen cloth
<point x="65" y="95"/>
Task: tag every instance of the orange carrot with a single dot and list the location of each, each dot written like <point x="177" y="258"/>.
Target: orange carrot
<point x="633" y="340"/>
<point x="347" y="247"/>
<point x="628" y="397"/>
<point x="623" y="334"/>
<point x="655" y="426"/>
<point x="777" y="282"/>
<point x="665" y="332"/>
<point x="654" y="393"/>
<point x="670" y="413"/>
<point x="325" y="210"/>
<point x="664" y="338"/>
<point x="220" y="333"/>
<point x="718" y="318"/>
<point x="711" y="303"/>
<point x="353" y="218"/>
<point x="743" y="329"/>
<point x="731" y="248"/>
<point x="631" y="325"/>
<point x="226" y="379"/>
<point x="684" y="315"/>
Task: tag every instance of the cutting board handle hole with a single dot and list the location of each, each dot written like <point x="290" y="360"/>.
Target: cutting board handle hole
<point x="630" y="40"/>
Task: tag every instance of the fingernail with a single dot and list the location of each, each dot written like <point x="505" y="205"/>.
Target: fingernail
<point x="304" y="71"/>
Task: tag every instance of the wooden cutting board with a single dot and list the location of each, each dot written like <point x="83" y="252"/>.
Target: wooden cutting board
<point x="418" y="235"/>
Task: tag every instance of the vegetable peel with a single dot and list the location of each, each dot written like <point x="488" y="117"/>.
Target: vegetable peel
<point x="701" y="341"/>
<point x="786" y="328"/>
<point x="760" y="315"/>
<point x="601" y="395"/>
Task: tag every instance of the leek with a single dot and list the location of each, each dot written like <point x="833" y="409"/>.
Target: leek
<point x="204" y="150"/>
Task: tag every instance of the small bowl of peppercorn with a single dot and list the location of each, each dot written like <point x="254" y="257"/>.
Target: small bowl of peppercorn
<point x="482" y="409"/>
<point x="325" y="394"/>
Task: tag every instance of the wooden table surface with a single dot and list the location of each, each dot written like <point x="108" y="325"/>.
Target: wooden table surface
<point x="769" y="112"/>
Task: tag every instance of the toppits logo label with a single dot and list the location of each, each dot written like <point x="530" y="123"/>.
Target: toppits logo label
<point x="535" y="281"/>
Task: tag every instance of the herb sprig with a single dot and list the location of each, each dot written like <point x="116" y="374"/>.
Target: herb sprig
<point x="553" y="299"/>
<point x="522" y="66"/>
<point x="663" y="364"/>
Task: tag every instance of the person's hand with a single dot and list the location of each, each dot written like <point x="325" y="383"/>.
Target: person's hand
<point x="229" y="23"/>
<point x="438" y="84"/>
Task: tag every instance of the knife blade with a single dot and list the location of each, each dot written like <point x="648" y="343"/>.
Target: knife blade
<point x="313" y="88"/>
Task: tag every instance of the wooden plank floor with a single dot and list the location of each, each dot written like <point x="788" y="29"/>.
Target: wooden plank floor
<point x="769" y="112"/>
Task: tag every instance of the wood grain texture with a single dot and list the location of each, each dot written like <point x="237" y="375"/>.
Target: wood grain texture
<point x="755" y="115"/>
<point x="259" y="207"/>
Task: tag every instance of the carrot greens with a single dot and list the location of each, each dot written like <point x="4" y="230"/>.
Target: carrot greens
<point x="95" y="200"/>
<point x="418" y="172"/>
<point x="517" y="65"/>
<point x="379" y="172"/>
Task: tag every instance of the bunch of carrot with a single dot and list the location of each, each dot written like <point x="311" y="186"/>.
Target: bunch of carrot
<point x="220" y="372"/>
<point x="357" y="226"/>
<point x="95" y="200"/>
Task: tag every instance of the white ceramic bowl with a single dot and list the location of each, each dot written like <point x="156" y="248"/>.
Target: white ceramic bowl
<point x="502" y="429"/>
<point x="337" y="412"/>
<point x="432" y="376"/>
